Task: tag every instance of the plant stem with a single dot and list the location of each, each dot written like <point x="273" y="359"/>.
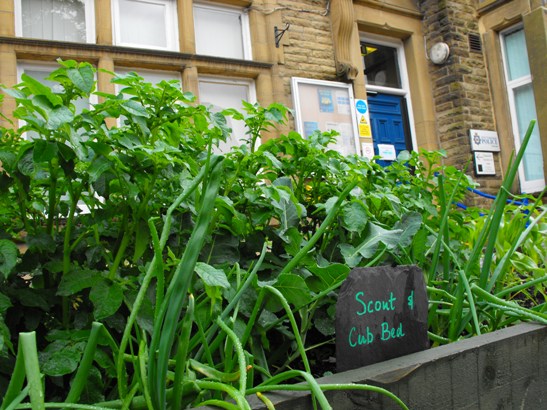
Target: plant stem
<point x="32" y="368"/>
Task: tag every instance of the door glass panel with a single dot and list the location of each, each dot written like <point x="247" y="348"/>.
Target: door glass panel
<point x="381" y="66"/>
<point x="516" y="55"/>
<point x="526" y="111"/>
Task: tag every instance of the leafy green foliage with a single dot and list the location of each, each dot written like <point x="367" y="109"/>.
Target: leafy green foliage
<point x="211" y="276"/>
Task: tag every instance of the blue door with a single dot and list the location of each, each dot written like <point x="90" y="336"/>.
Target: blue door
<point x="389" y="122"/>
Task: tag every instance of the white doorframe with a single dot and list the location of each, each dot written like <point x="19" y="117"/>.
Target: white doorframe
<point x="404" y="91"/>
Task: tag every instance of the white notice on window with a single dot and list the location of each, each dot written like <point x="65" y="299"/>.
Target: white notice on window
<point x="345" y="143"/>
<point x="342" y="102"/>
<point x="387" y="152"/>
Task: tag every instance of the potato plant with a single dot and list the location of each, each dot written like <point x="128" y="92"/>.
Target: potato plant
<point x="141" y="270"/>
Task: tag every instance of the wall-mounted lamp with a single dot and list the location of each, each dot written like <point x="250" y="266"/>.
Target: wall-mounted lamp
<point x="439" y="53"/>
<point x="278" y="34"/>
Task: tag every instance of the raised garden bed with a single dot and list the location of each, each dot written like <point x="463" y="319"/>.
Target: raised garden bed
<point x="506" y="369"/>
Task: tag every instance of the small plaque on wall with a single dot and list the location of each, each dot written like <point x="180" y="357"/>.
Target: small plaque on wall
<point x="484" y="141"/>
<point x="484" y="163"/>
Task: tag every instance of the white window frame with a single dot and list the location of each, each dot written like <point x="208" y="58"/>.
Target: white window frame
<point x="526" y="186"/>
<point x="404" y="91"/>
<point x="249" y="83"/>
<point x="245" y="26"/>
<point x="170" y="25"/>
<point x="89" y="20"/>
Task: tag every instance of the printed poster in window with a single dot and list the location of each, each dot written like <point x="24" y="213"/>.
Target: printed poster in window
<point x="326" y="103"/>
<point x="345" y="142"/>
<point x="310" y="127"/>
<point x="342" y="102"/>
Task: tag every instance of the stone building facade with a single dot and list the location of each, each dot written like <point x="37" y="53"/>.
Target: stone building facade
<point x="441" y="67"/>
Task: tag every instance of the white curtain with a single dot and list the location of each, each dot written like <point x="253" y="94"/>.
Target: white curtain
<point x="143" y="23"/>
<point x="62" y="20"/>
<point x="218" y="32"/>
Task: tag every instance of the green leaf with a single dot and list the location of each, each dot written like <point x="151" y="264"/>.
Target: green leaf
<point x="44" y="151"/>
<point x="367" y="248"/>
<point x="8" y="257"/>
<point x="331" y="274"/>
<point x="135" y="108"/>
<point x="58" y="117"/>
<point x="74" y="281"/>
<point x="287" y="213"/>
<point x="98" y="167"/>
<point x="212" y="276"/>
<point x="354" y="217"/>
<point x="293" y="288"/>
<point x="410" y="224"/>
<point x="107" y="297"/>
<point x="25" y="165"/>
<point x="142" y="239"/>
<point x="83" y="78"/>
<point x="37" y="88"/>
<point x="31" y="297"/>
<point x="5" y="303"/>
<point x="62" y="362"/>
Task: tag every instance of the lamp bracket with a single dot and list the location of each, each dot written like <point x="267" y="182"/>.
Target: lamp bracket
<point x="278" y="34"/>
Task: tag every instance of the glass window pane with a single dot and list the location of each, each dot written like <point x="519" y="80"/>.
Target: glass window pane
<point x="516" y="55"/>
<point x="526" y="111"/>
<point x="62" y="20"/>
<point x="151" y="76"/>
<point x="381" y="65"/>
<point x="218" y="32"/>
<point x="222" y="95"/>
<point x="143" y="23"/>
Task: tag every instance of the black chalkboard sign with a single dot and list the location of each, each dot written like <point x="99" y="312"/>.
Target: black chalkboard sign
<point x="381" y="313"/>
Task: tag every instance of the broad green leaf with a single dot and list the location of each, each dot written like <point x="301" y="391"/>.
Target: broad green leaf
<point x="62" y="362"/>
<point x="354" y="217"/>
<point x="12" y="92"/>
<point x="5" y="303"/>
<point x="419" y="245"/>
<point x="293" y="288"/>
<point x="25" y="165"/>
<point x="212" y="276"/>
<point x="8" y="257"/>
<point x="331" y="274"/>
<point x="142" y="239"/>
<point x="325" y="325"/>
<point x="83" y="78"/>
<point x="410" y="224"/>
<point x="8" y="160"/>
<point x="107" y="297"/>
<point x="367" y="248"/>
<point x="135" y="108"/>
<point x="276" y="164"/>
<point x="77" y="280"/>
<point x="287" y="213"/>
<point x="58" y="117"/>
<point x="31" y="297"/>
<point x="98" y="167"/>
<point x="44" y="151"/>
<point x="37" y="88"/>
